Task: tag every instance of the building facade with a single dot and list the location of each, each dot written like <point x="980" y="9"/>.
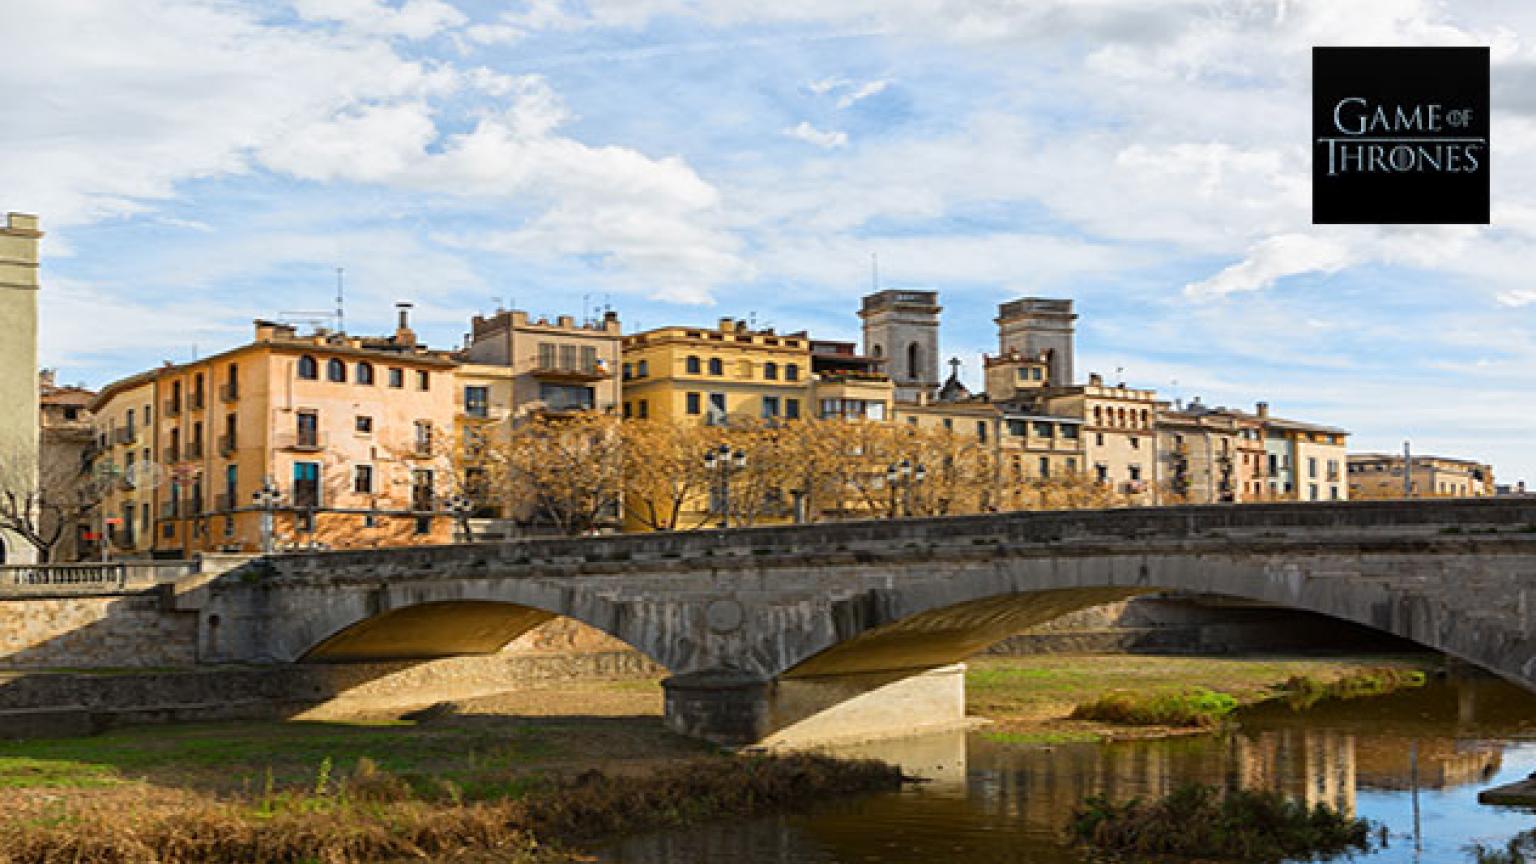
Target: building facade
<point x="716" y="376"/>
<point x="902" y="328"/>
<point x="1380" y="475"/>
<point x="19" y="261"/>
<point x="65" y="444"/>
<point x="554" y="367"/>
<point x="352" y="436"/>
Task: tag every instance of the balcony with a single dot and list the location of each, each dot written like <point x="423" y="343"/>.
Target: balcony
<point x="197" y="401"/>
<point x="192" y="450"/>
<point x="172" y="407"/>
<point x="191" y="508"/>
<point x="571" y="372"/>
<point x="303" y="442"/>
<point x="125" y="435"/>
<point x="229" y="392"/>
<point x="226" y="445"/>
<point x="224" y="502"/>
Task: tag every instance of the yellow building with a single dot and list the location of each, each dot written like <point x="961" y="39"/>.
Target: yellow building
<point x="1380" y="475"/>
<point x="19" y="239"/>
<point x="353" y="433"/>
<point x="728" y="374"/>
<point x="847" y="385"/>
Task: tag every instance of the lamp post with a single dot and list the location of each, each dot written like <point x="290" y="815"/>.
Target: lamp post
<point x="266" y="500"/>
<point x="726" y="459"/>
<point x="904" y="475"/>
<point x="461" y="506"/>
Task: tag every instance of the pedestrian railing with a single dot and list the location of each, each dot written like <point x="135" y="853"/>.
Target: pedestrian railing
<point x="114" y="575"/>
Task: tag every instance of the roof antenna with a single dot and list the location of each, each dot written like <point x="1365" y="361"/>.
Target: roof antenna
<point x="341" y="316"/>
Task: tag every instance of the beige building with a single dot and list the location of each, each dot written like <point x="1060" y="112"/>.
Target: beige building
<point x="354" y="434"/>
<point x="554" y="366"/>
<point x="1119" y="434"/>
<point x="66" y="442"/>
<point x="19" y="240"/>
<point x="1320" y="459"/>
<point x="1199" y="453"/>
<point x="1380" y="475"/>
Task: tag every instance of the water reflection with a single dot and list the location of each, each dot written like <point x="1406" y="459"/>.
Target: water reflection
<point x="1414" y="761"/>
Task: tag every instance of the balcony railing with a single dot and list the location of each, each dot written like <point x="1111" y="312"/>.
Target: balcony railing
<point x="172" y="407"/>
<point x="124" y="435"/>
<point x="301" y="441"/>
<point x="224" y="502"/>
<point x="171" y="454"/>
<point x="192" y="450"/>
<point x="226" y="445"/>
<point x="229" y="392"/>
<point x="197" y="400"/>
<point x="571" y="371"/>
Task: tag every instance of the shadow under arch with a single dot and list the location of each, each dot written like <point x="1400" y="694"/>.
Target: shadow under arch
<point x="439" y="629"/>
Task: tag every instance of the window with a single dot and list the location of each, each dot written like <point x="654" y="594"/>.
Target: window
<point x="1071" y="464"/>
<point x="716" y="367"/>
<point x="363" y="424"/>
<point x="396" y="377"/>
<point x="629" y="371"/>
<point x="629" y="411"/>
<point x="198" y="393"/>
<point x="365" y="374"/>
<point x="1312" y="468"/>
<point x="1135" y="442"/>
<point x="645" y="409"/>
<point x="692" y="400"/>
<point x="1098" y="439"/>
<point x="423" y="380"/>
<point x="1101" y="473"/>
<point x="477" y="401"/>
<point x="1069" y="431"/>
<point x="589" y="359"/>
<point x="1045" y="466"/>
<point x="567" y="397"/>
<point x="717" y="415"/>
<point x="791" y="372"/>
<point x="792" y="409"/>
<point x="914" y="362"/>
<point x="307" y="429"/>
<point x="875" y="410"/>
<point x="770" y="407"/>
<point x="423" y="436"/>
<point x="691" y="365"/>
<point x="981" y="431"/>
<point x="1135" y="473"/>
<point x="306" y="484"/>
<point x="949" y="425"/>
<point x="231" y="486"/>
<point x="771" y="371"/>
<point x="362" y="480"/>
<point x="1041" y="429"/>
<point x="642" y="369"/>
<point x="421" y="490"/>
<point x="308" y="369"/>
<point x="547" y="355"/>
<point x="232" y="383"/>
<point x="1312" y="491"/>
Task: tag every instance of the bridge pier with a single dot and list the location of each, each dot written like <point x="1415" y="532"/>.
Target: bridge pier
<point x="738" y="710"/>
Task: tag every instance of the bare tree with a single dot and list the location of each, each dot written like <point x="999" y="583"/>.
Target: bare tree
<point x="42" y="505"/>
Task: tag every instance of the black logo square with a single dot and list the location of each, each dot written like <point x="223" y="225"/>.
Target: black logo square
<point x="1400" y="136"/>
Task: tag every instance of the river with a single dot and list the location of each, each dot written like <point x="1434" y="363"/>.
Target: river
<point x="1413" y="761"/>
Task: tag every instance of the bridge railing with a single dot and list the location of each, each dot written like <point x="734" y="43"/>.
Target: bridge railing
<point x="91" y="576"/>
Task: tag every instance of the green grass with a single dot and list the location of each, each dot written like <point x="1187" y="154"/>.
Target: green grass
<point x="1046" y="737"/>
<point x="1195" y="707"/>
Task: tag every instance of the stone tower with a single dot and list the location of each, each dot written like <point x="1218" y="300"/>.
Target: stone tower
<point x="902" y="327"/>
<point x="18" y="366"/>
<point x="1034" y="326"/>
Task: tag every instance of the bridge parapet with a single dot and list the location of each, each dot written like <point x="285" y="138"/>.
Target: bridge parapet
<point x="88" y="578"/>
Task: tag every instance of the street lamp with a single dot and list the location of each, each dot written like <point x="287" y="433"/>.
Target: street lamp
<point x="726" y="459"/>
<point x="266" y="500"/>
<point x="904" y="475"/>
<point x="461" y="506"/>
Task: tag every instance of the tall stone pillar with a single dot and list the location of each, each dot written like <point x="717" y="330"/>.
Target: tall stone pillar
<point x="18" y="368"/>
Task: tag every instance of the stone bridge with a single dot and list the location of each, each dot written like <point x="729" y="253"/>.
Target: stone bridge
<point x="812" y="632"/>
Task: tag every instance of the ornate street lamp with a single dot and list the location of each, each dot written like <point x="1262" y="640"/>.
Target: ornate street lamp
<point x="266" y="499"/>
<point x="461" y="506"/>
<point x="725" y="459"/>
<point x="904" y="475"/>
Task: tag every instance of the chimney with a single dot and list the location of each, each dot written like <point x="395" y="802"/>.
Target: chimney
<point x="1095" y="379"/>
<point x="1261" y="409"/>
<point x="45" y="379"/>
<point x="404" y="335"/>
<point x="566" y="321"/>
<point x="727" y="325"/>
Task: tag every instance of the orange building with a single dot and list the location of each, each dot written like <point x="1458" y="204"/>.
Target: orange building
<point x="354" y="435"/>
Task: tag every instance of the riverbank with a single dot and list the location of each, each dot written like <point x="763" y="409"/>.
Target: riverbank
<point x="1031" y="700"/>
<point x="450" y="769"/>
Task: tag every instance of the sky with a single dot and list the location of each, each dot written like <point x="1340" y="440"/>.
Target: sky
<point x="200" y="163"/>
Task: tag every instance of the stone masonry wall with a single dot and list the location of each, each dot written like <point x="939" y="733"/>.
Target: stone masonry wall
<point x="104" y="631"/>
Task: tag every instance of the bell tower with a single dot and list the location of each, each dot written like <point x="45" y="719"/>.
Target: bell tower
<point x="1035" y="327"/>
<point x="902" y="328"/>
<point x="19" y="238"/>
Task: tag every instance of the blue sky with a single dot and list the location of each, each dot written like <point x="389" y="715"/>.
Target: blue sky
<point x="199" y="164"/>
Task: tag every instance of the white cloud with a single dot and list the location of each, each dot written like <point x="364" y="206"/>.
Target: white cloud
<point x="412" y="19"/>
<point x="1271" y="259"/>
<point x="804" y="131"/>
<point x="864" y="91"/>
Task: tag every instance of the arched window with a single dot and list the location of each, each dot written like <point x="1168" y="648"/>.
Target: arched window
<point x="716" y="367"/>
<point x="691" y="365"/>
<point x="365" y="374"/>
<point x="771" y="371"/>
<point x="336" y="371"/>
<point x="879" y="351"/>
<point x="914" y="361"/>
<point x="308" y="369"/>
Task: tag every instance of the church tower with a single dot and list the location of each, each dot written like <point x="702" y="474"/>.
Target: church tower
<point x="18" y="366"/>
<point x="902" y="328"/>
<point x="1034" y="327"/>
